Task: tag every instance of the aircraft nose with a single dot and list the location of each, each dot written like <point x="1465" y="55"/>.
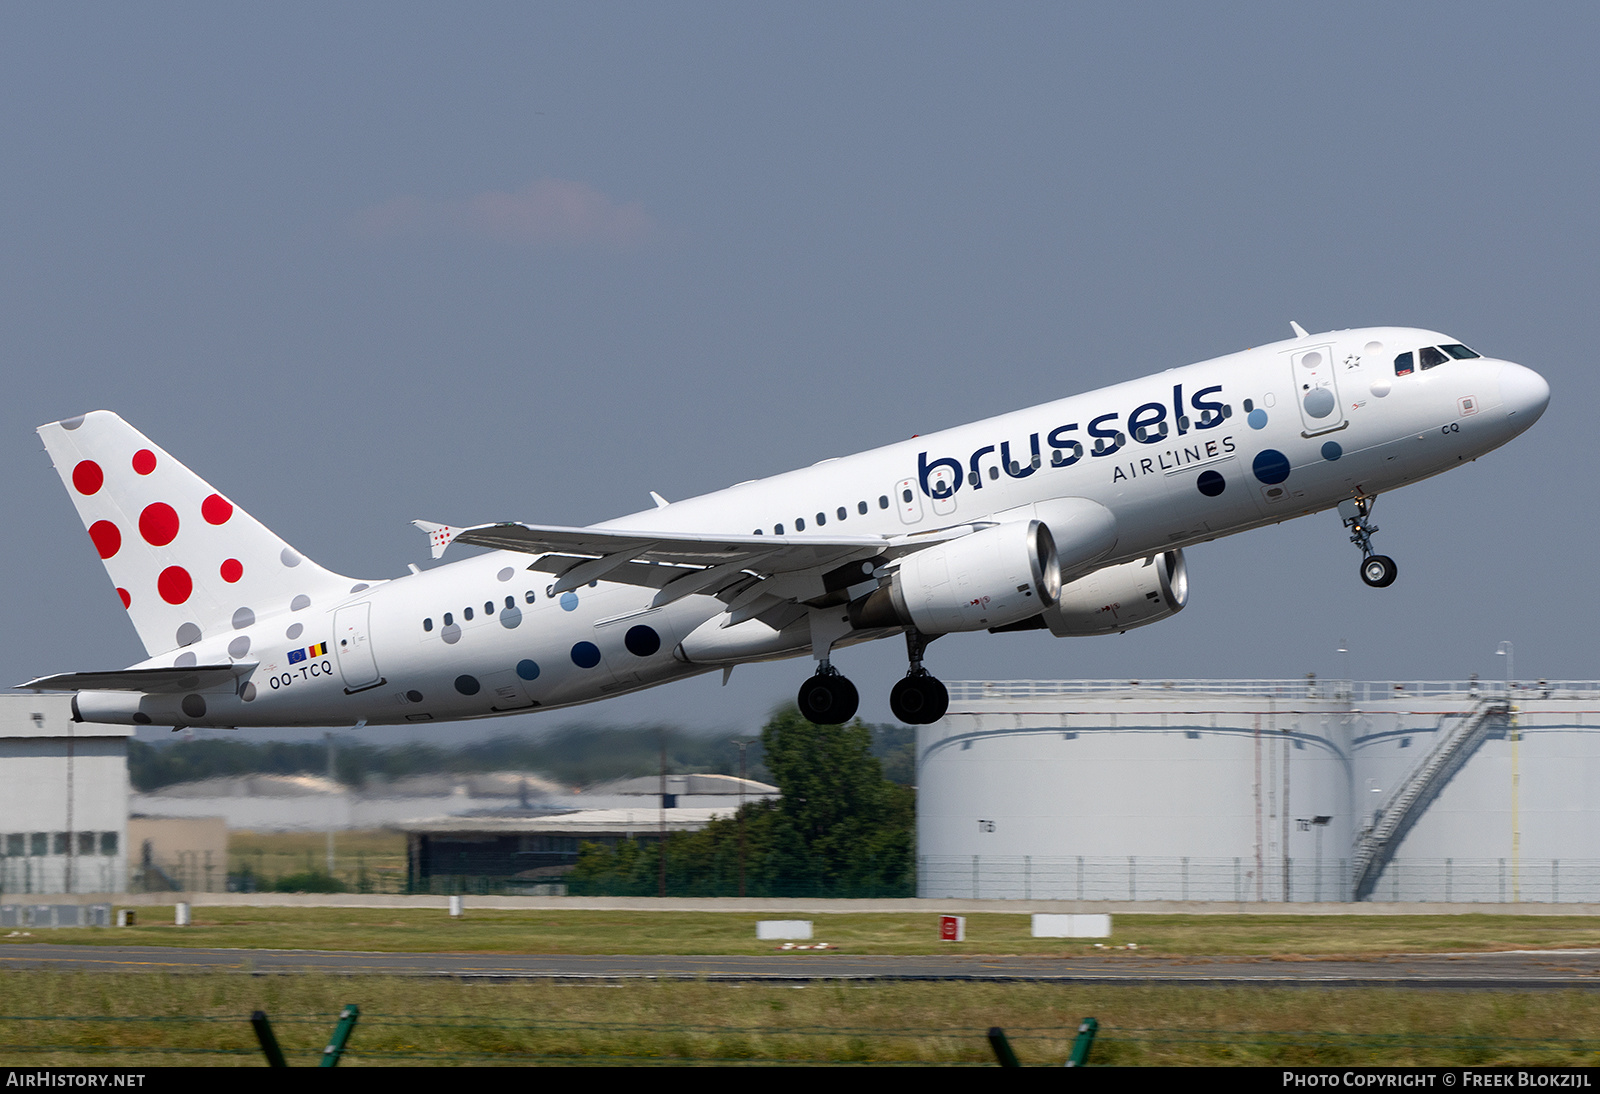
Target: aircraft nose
<point x="1524" y="393"/>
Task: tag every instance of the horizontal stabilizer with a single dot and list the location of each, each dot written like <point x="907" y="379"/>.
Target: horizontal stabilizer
<point x="192" y="678"/>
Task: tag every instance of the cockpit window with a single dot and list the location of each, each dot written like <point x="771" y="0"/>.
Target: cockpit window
<point x="1431" y="357"/>
<point x="1403" y="365"/>
<point x="1459" y="352"/>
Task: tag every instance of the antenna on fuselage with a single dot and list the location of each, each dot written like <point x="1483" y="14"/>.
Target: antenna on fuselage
<point x="1299" y="331"/>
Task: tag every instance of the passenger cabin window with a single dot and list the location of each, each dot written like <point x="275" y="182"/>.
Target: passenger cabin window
<point x="799" y="524"/>
<point x="822" y="518"/>
<point x="777" y="529"/>
<point x="861" y="507"/>
<point x="883" y="501"/>
<point x="427" y="624"/>
<point x="466" y="613"/>
<point x="528" y="596"/>
<point x="1431" y="357"/>
<point x="511" y="602"/>
<point x="448" y="619"/>
<point x="843" y="512"/>
<point x="1403" y="365"/>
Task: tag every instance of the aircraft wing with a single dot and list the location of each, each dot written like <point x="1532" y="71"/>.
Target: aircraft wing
<point x="194" y="678"/>
<point x="754" y="574"/>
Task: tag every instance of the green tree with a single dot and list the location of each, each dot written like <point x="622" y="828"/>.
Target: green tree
<point x="840" y="828"/>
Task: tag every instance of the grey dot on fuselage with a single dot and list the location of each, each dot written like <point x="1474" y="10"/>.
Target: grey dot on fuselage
<point x="289" y="557"/>
<point x="294" y="631"/>
<point x="239" y="646"/>
<point x="186" y="660"/>
<point x="194" y="706"/>
<point x="360" y="586"/>
<point x="72" y="423"/>
<point x="451" y="633"/>
<point x="1319" y="402"/>
<point x="505" y="574"/>
<point x="510" y="618"/>
<point x="188" y="634"/>
<point x="243" y="618"/>
<point x="248" y="693"/>
<point x="300" y="603"/>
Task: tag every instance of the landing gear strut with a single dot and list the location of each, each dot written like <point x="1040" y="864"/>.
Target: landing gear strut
<point x="828" y="698"/>
<point x="1377" y="571"/>
<point x="919" y="699"/>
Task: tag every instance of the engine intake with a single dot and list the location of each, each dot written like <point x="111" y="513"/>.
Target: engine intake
<point x="987" y="579"/>
<point x="1119" y="598"/>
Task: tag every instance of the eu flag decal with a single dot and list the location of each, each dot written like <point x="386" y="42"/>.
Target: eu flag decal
<point x="296" y="656"/>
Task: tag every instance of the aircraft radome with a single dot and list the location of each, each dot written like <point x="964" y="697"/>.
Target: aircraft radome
<point x="1070" y="517"/>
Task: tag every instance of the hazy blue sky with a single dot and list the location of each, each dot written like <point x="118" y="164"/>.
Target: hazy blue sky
<point x="362" y="263"/>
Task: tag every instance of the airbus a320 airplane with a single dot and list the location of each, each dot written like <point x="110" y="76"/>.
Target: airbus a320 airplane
<point x="1068" y="517"/>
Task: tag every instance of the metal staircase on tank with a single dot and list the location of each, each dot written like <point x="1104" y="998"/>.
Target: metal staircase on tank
<point x="1376" y="843"/>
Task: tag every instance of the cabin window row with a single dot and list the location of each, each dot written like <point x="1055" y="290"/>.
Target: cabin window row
<point x="840" y="513"/>
<point x="467" y="613"/>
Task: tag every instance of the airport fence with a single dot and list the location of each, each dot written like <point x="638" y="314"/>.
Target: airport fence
<point x="123" y="1041"/>
<point x="1182" y="878"/>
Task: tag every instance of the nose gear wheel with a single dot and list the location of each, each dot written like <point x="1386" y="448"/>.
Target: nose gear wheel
<point x="1378" y="571"/>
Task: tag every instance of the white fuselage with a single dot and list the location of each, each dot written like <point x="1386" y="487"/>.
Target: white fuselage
<point x="1252" y="421"/>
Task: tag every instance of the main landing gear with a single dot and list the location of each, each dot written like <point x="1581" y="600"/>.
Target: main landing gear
<point x="828" y="698"/>
<point x="919" y="699"/>
<point x="1377" y="571"/>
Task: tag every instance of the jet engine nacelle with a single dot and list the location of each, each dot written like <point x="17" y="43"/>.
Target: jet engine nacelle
<point x="1119" y="598"/>
<point x="987" y="579"/>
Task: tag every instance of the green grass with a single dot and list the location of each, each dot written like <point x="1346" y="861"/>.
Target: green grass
<point x="719" y="933"/>
<point x="376" y="855"/>
<point x="131" y="1020"/>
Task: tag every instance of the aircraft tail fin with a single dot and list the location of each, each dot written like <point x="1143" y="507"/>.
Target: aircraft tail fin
<point x="187" y="562"/>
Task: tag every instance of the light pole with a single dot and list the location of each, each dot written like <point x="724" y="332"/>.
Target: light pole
<point x="743" y="743"/>
<point x="1505" y="651"/>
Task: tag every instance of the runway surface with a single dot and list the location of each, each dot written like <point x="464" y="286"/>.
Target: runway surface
<point x="1520" y="970"/>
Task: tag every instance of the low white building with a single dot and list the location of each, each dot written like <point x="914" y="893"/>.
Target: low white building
<point x="63" y="799"/>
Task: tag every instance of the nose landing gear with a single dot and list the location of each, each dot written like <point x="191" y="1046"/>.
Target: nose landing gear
<point x="1378" y="571"/>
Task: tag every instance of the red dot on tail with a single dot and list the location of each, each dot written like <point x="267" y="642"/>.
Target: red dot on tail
<point x="127" y="601"/>
<point x="87" y="477"/>
<point x="216" y="509"/>
<point x="158" y="524"/>
<point x="232" y="570"/>
<point x="175" y="584"/>
<point x="107" y="537"/>
<point x="144" y="461"/>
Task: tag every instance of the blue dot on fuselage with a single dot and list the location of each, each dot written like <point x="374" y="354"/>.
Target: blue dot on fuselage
<point x="528" y="670"/>
<point x="467" y="685"/>
<point x="1271" y="466"/>
<point x="569" y="602"/>
<point x="586" y="655"/>
<point x="1331" y="451"/>
<point x="1211" y="483"/>
<point x="1257" y="418"/>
